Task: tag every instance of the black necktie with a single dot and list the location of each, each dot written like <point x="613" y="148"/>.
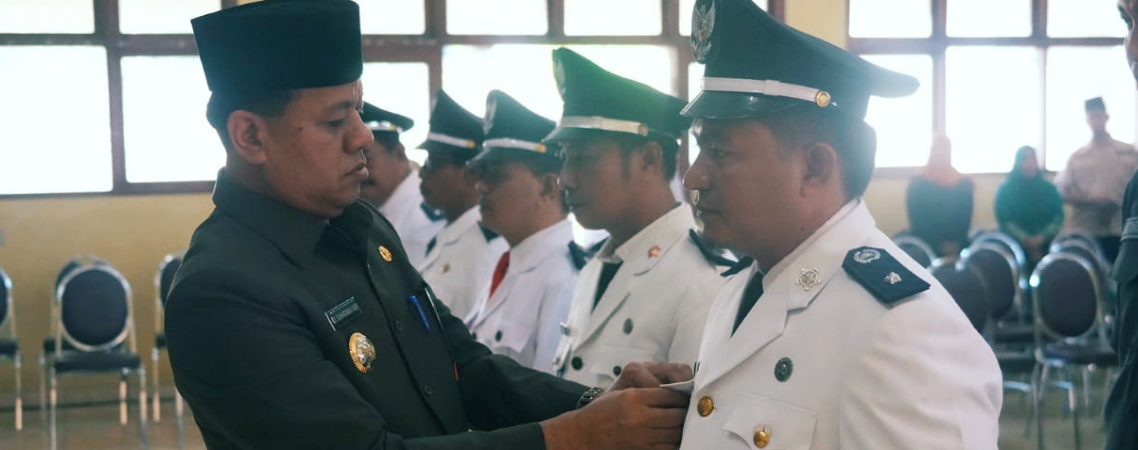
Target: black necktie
<point x="431" y="245"/>
<point x="751" y="295"/>
<point x="607" y="274"/>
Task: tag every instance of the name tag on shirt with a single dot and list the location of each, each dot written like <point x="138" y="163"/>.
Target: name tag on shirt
<point x="343" y="313"/>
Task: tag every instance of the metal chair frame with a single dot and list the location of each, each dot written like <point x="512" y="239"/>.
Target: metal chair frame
<point x="1017" y="275"/>
<point x="126" y="336"/>
<point x="1007" y="241"/>
<point x="8" y="322"/>
<point x="1044" y="332"/>
<point x="916" y="242"/>
<point x="1081" y="238"/>
<point x="159" y="313"/>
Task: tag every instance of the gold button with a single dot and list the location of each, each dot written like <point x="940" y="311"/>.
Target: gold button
<point x="762" y="438"/>
<point x="446" y="268"/>
<point x="822" y="99"/>
<point x="705" y="406"/>
<point x="385" y="253"/>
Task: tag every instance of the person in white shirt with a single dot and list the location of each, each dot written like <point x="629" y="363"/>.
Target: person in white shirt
<point x="832" y="337"/>
<point x="392" y="185"/>
<point x="645" y="296"/>
<point x="521" y="308"/>
<point x="461" y="257"/>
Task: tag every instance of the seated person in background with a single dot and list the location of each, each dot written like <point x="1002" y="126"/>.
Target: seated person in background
<point x="392" y="185"/>
<point x="939" y="202"/>
<point x="1028" y="207"/>
<point x="528" y="297"/>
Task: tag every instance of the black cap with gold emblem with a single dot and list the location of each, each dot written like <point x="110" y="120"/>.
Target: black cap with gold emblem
<point x="454" y="129"/>
<point x="597" y="100"/>
<point x="756" y="65"/>
<point x="514" y="131"/>
<point x="279" y="45"/>
<point x="380" y="120"/>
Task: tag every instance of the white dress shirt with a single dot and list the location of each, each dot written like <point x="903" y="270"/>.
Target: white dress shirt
<point x="404" y="209"/>
<point x="462" y="261"/>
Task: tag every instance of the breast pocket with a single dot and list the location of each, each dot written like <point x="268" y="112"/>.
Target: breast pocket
<point x="768" y="424"/>
<point x="610" y="360"/>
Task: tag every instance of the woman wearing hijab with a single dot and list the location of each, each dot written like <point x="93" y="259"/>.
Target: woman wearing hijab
<point x="939" y="202"/>
<point x="1028" y="207"/>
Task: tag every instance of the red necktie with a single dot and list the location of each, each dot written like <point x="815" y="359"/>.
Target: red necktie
<point x="500" y="272"/>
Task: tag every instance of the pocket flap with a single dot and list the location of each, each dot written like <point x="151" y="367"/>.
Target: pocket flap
<point x="787" y="427"/>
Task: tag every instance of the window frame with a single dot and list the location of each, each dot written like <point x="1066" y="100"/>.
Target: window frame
<point x="938" y="43"/>
<point x="426" y="48"/>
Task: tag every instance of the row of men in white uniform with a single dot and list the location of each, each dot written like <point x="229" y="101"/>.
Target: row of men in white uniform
<point x="852" y="345"/>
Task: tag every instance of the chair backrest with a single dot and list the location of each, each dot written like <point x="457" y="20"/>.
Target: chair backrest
<point x="916" y="249"/>
<point x="75" y="263"/>
<point x="1068" y="299"/>
<point x="94" y="311"/>
<point x="1081" y="239"/>
<point x="6" y="297"/>
<point x="966" y="286"/>
<point x="164" y="278"/>
<point x="1001" y="276"/>
<point x="1092" y="253"/>
<point x="1008" y="243"/>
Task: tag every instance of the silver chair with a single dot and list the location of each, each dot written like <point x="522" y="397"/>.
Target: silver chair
<point x="92" y="314"/>
<point x="9" y="345"/>
<point x="163" y="280"/>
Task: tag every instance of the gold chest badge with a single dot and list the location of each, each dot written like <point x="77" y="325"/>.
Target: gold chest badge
<point x="362" y="351"/>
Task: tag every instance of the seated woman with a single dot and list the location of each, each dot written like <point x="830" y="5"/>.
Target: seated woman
<point x="939" y="202"/>
<point x="1028" y="207"/>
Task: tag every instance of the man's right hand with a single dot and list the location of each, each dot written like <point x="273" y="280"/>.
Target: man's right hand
<point x="631" y="419"/>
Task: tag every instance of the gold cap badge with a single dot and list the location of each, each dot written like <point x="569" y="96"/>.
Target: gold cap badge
<point x="362" y="351"/>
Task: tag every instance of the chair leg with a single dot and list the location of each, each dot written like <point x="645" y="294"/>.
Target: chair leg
<point x="122" y="397"/>
<point x="142" y="415"/>
<point x="1040" y="390"/>
<point x="155" y="391"/>
<point x="43" y="389"/>
<point x="1073" y="399"/>
<point x="1088" y="382"/>
<point x="1033" y="386"/>
<point x="19" y="364"/>
<point x="178" y="412"/>
<point x="52" y="430"/>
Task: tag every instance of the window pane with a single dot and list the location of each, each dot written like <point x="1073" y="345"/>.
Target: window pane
<point x="47" y="16"/>
<point x="402" y="88"/>
<point x="904" y="125"/>
<point x="989" y="18"/>
<point x="392" y="17"/>
<point x="1079" y="18"/>
<point x="1075" y="74"/>
<point x="44" y="151"/>
<point x="890" y="18"/>
<point x="165" y="131"/>
<point x="686" y="8"/>
<point x="525" y="71"/>
<point x="993" y="105"/>
<point x="162" y="17"/>
<point x="606" y="17"/>
<point x="513" y="17"/>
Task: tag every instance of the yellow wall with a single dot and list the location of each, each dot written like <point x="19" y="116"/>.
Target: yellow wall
<point x="135" y="232"/>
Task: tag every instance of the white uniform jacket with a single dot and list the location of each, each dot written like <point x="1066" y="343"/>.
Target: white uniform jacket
<point x="523" y="318"/>
<point x="415" y="223"/>
<point x="653" y="310"/>
<point x="820" y="363"/>
<point x="461" y="262"/>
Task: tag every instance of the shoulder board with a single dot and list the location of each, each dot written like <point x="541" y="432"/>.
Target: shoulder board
<point x="882" y="275"/>
<point x="432" y="213"/>
<point x="712" y="254"/>
<point x="739" y="266"/>
<point x="578" y="255"/>
<point x="488" y="233"/>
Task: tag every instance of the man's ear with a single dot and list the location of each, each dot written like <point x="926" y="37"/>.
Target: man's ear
<point x="652" y="157"/>
<point x="248" y="134"/>
<point x="820" y="164"/>
<point x="550" y="187"/>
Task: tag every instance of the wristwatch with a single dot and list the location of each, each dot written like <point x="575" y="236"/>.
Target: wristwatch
<point x="589" y="396"/>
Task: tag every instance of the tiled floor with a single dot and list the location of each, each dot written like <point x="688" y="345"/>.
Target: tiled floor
<point x="97" y="428"/>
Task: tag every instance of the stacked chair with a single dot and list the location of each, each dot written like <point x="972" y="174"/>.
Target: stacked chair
<point x="9" y="346"/>
<point x="163" y="280"/>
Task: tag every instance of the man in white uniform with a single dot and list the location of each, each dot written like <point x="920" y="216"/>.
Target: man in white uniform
<point x="392" y="185"/>
<point x="832" y="338"/>
<point x="527" y="298"/>
<point x="645" y="295"/>
<point x="461" y="257"/>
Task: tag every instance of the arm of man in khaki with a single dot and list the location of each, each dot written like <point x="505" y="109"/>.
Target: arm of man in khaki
<point x="924" y="380"/>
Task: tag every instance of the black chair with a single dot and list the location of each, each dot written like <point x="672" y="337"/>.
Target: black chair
<point x="968" y="288"/>
<point x="1003" y="279"/>
<point x="48" y="348"/>
<point x="9" y="345"/>
<point x="1007" y="242"/>
<point x="916" y="249"/>
<point x="163" y="280"/>
<point x="1069" y="333"/>
<point x="1081" y="239"/>
<point x="92" y="313"/>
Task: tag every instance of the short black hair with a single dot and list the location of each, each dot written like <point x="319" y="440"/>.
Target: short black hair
<point x="388" y="139"/>
<point x="268" y="103"/>
<point x="854" y="141"/>
<point x="629" y="143"/>
<point x="540" y="166"/>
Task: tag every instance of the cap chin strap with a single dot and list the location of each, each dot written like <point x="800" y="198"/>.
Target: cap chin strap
<point x="514" y="143"/>
<point x="767" y="87"/>
<point x="451" y="140"/>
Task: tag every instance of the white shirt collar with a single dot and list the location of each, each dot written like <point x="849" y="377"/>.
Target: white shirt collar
<point x="454" y="230"/>
<point x="534" y="249"/>
<point x="406" y="192"/>
<point x="678" y="220"/>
